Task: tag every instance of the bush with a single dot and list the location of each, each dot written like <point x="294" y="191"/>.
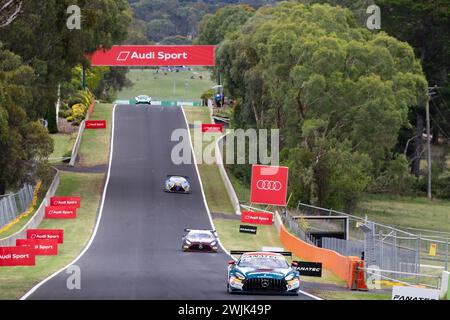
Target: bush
<point x="78" y="113"/>
<point x="69" y="119"/>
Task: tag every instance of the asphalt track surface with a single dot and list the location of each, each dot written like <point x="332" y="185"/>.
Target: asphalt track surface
<point x="136" y="251"/>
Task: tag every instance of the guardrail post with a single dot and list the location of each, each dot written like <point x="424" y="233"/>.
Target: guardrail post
<point x="446" y="255"/>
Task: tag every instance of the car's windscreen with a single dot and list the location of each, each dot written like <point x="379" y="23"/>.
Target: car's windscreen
<point x="200" y="236"/>
<point x="261" y="261"/>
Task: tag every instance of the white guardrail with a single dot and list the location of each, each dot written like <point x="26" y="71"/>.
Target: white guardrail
<point x="37" y="217"/>
<point x="77" y="144"/>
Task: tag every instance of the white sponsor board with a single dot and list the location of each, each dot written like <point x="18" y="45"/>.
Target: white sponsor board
<point x="272" y="249"/>
<point x="410" y="293"/>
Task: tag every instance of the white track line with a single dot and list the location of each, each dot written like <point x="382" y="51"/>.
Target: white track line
<point x="206" y="204"/>
<point x="29" y="293"/>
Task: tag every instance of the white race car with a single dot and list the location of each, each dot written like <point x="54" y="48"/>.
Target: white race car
<point x="143" y="99"/>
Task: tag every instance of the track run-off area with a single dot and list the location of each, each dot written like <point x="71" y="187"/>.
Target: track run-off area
<point x="135" y="250"/>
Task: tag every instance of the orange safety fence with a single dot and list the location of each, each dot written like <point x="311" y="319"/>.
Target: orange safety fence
<point x="345" y="267"/>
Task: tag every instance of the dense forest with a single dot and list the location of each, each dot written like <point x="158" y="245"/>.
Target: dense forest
<point x="350" y="102"/>
<point x="174" y="21"/>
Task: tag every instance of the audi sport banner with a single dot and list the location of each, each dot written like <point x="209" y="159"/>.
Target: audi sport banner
<point x="16" y="256"/>
<point x="39" y="247"/>
<point x="65" y="201"/>
<point x="95" y="124"/>
<point x="256" y="217"/>
<point x="269" y="185"/>
<point x="212" y="128"/>
<point x="46" y="234"/>
<point x="187" y="55"/>
<point x="60" y="212"/>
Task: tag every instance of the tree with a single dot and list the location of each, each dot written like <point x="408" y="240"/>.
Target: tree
<point x="9" y="10"/>
<point x="229" y="19"/>
<point x="57" y="50"/>
<point x="24" y="144"/>
<point x="338" y="93"/>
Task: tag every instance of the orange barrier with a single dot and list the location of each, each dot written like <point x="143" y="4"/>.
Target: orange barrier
<point x="345" y="267"/>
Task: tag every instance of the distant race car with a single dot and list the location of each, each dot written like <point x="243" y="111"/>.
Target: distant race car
<point x="178" y="184"/>
<point x="143" y="99"/>
<point x="200" y="240"/>
<point x="262" y="272"/>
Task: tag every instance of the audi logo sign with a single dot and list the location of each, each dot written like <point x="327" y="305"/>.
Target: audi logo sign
<point x="269" y="185"/>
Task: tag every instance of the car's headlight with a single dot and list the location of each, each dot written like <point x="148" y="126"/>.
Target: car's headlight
<point x="289" y="277"/>
<point x="240" y="275"/>
<point x="213" y="243"/>
<point x="187" y="241"/>
<point x="170" y="184"/>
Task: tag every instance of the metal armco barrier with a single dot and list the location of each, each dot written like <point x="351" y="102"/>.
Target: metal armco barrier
<point x="36" y="219"/>
<point x="12" y="205"/>
<point x="226" y="180"/>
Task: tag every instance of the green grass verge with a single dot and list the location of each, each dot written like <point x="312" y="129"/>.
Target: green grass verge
<point x="353" y="295"/>
<point x="15" y="281"/>
<point x="94" y="148"/>
<point x="215" y="192"/>
<point x="407" y="212"/>
<point x="63" y="144"/>
<point x="173" y="86"/>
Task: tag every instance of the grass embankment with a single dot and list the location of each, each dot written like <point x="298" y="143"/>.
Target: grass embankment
<point x="407" y="212"/>
<point x="173" y="86"/>
<point x="94" y="148"/>
<point x="16" y="281"/>
<point x="215" y="192"/>
<point x="63" y="144"/>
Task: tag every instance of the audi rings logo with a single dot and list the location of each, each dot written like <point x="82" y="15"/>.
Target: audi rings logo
<point x="268" y="185"/>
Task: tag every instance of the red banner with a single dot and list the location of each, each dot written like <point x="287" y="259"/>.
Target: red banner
<point x="212" y="128"/>
<point x="16" y="256"/>
<point x="256" y="217"/>
<point x="65" y="201"/>
<point x="59" y="212"/>
<point x="269" y="185"/>
<point x="95" y="124"/>
<point x="46" y="234"/>
<point x="39" y="247"/>
<point x="131" y="55"/>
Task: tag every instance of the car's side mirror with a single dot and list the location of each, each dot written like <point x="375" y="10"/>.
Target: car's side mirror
<point x="231" y="262"/>
<point x="294" y="264"/>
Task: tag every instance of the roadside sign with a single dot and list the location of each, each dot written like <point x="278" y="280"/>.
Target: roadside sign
<point x="60" y="212"/>
<point x="256" y="217"/>
<point x="248" y="229"/>
<point x="16" y="256"/>
<point x="212" y="128"/>
<point x="310" y="269"/>
<point x="413" y="293"/>
<point x="39" y="247"/>
<point x="46" y="234"/>
<point x="65" y="201"/>
<point x="269" y="185"/>
<point x="96" y="124"/>
<point x="433" y="249"/>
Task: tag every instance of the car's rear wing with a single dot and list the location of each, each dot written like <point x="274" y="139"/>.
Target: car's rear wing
<point x="188" y="230"/>
<point x="177" y="175"/>
<point x="241" y="252"/>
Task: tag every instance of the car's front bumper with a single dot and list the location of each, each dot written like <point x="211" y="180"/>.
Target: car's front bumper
<point x="254" y="286"/>
<point x="196" y="246"/>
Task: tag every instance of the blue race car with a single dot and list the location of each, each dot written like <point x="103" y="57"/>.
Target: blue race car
<point x="263" y="272"/>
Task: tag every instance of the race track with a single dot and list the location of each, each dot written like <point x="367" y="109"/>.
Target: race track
<point x="136" y="251"/>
